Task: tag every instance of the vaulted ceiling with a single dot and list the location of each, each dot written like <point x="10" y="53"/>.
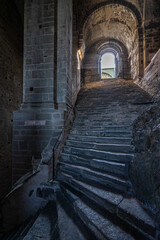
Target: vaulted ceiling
<point x="111" y="21"/>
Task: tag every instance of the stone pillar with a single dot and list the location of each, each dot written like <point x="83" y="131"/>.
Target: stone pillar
<point x="76" y="63"/>
<point x="37" y="121"/>
<point x="64" y="53"/>
<point x="141" y="64"/>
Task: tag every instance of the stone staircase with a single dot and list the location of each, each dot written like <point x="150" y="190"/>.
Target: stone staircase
<point x="92" y="192"/>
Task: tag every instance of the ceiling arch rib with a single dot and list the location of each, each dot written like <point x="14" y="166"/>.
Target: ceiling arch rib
<point x="111" y="21"/>
<point x="132" y="6"/>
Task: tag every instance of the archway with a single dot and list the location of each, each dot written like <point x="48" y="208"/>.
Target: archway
<point x="118" y="23"/>
<point x="108" y="65"/>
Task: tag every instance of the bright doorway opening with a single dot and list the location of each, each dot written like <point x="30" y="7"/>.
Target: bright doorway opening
<point x="108" y="66"/>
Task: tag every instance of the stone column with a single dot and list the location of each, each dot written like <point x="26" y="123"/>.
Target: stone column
<point x="141" y="64"/>
<point x="64" y="53"/>
<point x="37" y="122"/>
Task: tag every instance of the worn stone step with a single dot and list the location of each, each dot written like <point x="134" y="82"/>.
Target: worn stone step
<point x="98" y="223"/>
<point x="125" y="113"/>
<point x="94" y="177"/>
<point x="107" y="140"/>
<point x="103" y="122"/>
<point x="107" y="107"/>
<point x="91" y="153"/>
<point x="124" y="148"/>
<point x="114" y="168"/>
<point x="102" y="133"/>
<point x="20" y="232"/>
<point x="45" y="225"/>
<point x="70" y="224"/>
<point x="116" y="115"/>
<point x="128" y="210"/>
<point x="98" y="126"/>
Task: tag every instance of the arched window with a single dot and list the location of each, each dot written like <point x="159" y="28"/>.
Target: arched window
<point x="108" y="66"/>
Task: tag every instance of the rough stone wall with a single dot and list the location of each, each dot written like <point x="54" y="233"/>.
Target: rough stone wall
<point x="38" y="121"/>
<point x="145" y="167"/>
<point x="117" y="22"/>
<point x="39" y="52"/>
<point x="47" y="94"/>
<point x="85" y="6"/>
<point x="91" y="61"/>
<point x="152" y="29"/>
<point x="151" y="80"/>
<point x="134" y="55"/>
<point x="90" y="66"/>
<point x="11" y="68"/>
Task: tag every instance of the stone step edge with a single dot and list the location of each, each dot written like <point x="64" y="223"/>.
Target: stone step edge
<point x="109" y="153"/>
<point x="97" y="231"/>
<point x="83" y="228"/>
<point x="81" y="168"/>
<point x="121" y="164"/>
<point x="71" y="137"/>
<point x="123" y="173"/>
<point x="92" y="195"/>
<point x="117" y="185"/>
<point x="99" y="144"/>
<point x="94" y="144"/>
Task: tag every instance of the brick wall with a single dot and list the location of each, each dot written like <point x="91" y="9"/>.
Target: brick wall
<point x="11" y="68"/>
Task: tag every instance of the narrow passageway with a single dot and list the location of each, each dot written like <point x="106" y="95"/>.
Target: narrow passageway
<point x="92" y="197"/>
<point x="93" y="172"/>
<point x="79" y="120"/>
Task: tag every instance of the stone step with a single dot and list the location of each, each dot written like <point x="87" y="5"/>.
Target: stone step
<point x="98" y="126"/>
<point x="107" y="140"/>
<point x="91" y="153"/>
<point x="102" y="227"/>
<point x="102" y="133"/>
<point x="20" y="232"/>
<point x="121" y="112"/>
<point x="70" y="224"/>
<point x="103" y="122"/>
<point x="45" y="225"/>
<point x="114" y="168"/>
<point x="128" y="210"/>
<point x="116" y="115"/>
<point x="106" y="108"/>
<point x="124" y="148"/>
<point x="97" y="178"/>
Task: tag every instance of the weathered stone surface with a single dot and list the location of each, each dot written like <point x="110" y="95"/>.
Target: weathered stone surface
<point x="11" y="68"/>
<point x="145" y="167"/>
<point x="151" y="80"/>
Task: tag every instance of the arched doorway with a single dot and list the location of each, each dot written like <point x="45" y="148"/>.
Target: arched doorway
<point x="108" y="65"/>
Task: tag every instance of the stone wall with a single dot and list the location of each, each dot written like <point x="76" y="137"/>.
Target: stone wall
<point x="134" y="56"/>
<point x="151" y="80"/>
<point x="47" y="82"/>
<point x="90" y="71"/>
<point x="11" y="68"/>
<point x="37" y="122"/>
<point x="151" y="29"/>
<point x="145" y="167"/>
<point x="91" y="63"/>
